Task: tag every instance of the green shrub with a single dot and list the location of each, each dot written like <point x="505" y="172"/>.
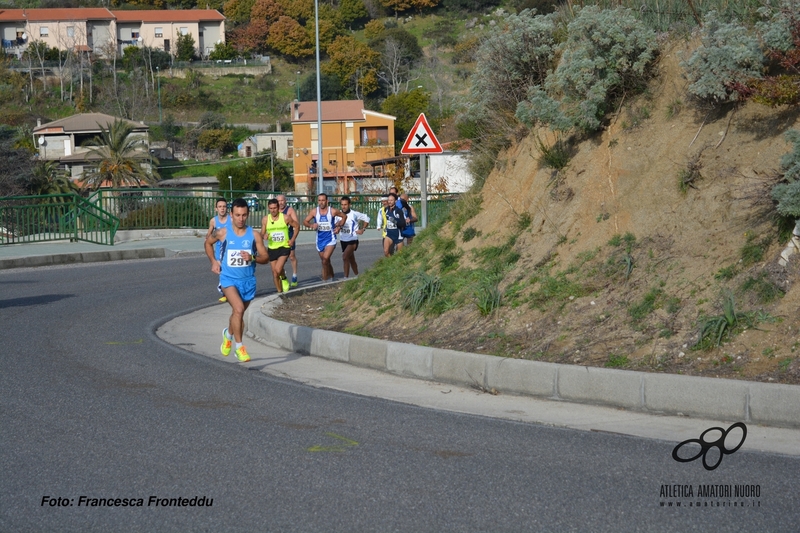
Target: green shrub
<point x="648" y="304"/>
<point x="469" y="234"/>
<point x="556" y="156"/>
<point x="607" y="53"/>
<point x="764" y="289"/>
<point x="715" y="328"/>
<point x="488" y="298"/>
<point x="169" y="214"/>
<point x="787" y="194"/>
<point x="511" y="60"/>
<point x="728" y="54"/>
<point x="753" y="250"/>
<point x="616" y="361"/>
<point x="423" y="289"/>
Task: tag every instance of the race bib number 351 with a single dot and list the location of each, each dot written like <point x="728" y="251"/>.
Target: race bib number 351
<point x="235" y="259"/>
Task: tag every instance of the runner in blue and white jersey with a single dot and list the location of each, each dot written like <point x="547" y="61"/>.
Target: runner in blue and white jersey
<point x="323" y="221"/>
<point x="221" y="220"/>
<point x="241" y="248"/>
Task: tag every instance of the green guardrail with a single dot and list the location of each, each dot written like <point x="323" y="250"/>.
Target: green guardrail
<point x="193" y="208"/>
<point x="97" y="218"/>
<point x="54" y="217"/>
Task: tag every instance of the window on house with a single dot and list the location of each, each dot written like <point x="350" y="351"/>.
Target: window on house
<point x="200" y="33"/>
<point x="70" y="31"/>
<point x="184" y="31"/>
<point x="289" y="145"/>
<point x="332" y="160"/>
<point x="375" y="135"/>
<point x="134" y="35"/>
<point x="159" y="33"/>
<point x="44" y="32"/>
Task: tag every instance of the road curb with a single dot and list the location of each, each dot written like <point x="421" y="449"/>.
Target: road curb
<point x="83" y="257"/>
<point x="671" y="394"/>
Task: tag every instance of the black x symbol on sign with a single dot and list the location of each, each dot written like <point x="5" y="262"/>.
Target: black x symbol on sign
<point x="421" y="140"/>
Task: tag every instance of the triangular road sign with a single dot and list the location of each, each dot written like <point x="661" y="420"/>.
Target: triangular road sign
<point x="421" y="139"/>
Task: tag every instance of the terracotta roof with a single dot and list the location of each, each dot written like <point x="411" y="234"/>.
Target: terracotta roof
<point x="332" y="111"/>
<point x="101" y="13"/>
<point x="168" y="15"/>
<point x="85" y="122"/>
<point x="48" y="15"/>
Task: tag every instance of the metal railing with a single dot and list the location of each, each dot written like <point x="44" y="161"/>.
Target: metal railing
<point x="97" y="218"/>
<point x="54" y="217"/>
<point x="172" y="208"/>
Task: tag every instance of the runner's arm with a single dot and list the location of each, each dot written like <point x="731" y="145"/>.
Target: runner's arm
<point x="307" y="221"/>
<point x="211" y="240"/>
<point x="412" y="213"/>
<point x="210" y="227"/>
<point x="292" y="221"/>
<point x="263" y="257"/>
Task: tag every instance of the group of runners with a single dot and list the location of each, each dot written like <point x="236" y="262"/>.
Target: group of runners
<point x="234" y="248"/>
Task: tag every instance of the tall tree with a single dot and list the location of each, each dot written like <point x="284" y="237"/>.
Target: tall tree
<point x="267" y="10"/>
<point x="352" y="11"/>
<point x="184" y="48"/>
<point x="16" y="164"/>
<point x="250" y="38"/>
<point x="406" y="107"/>
<point x="122" y="159"/>
<point x="48" y="178"/>
<point x="355" y="64"/>
<point x="238" y="11"/>
<point x="288" y="37"/>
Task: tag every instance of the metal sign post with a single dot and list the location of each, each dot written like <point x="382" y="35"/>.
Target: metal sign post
<point x="422" y="141"/>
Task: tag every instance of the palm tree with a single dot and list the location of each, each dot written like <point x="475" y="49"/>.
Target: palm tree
<point x="121" y="158"/>
<point x="49" y="179"/>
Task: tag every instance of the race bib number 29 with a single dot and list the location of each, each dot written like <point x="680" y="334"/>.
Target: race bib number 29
<point x="235" y="259"/>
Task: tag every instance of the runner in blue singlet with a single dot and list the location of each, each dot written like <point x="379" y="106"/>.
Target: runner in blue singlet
<point x="240" y="249"/>
<point x="221" y="220"/>
<point x="323" y="221"/>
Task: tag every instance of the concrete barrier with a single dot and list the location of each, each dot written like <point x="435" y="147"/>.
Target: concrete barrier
<point x="721" y="399"/>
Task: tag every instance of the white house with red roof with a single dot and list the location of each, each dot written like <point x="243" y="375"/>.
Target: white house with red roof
<point x="99" y="30"/>
<point x="161" y="28"/>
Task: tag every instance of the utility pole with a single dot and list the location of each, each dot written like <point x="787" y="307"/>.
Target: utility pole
<point x="158" y="75"/>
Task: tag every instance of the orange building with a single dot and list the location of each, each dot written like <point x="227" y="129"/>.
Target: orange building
<point x="351" y="136"/>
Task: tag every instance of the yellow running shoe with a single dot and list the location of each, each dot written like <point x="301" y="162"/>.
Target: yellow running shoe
<point x="225" y="348"/>
<point x="241" y="354"/>
<point x="285" y="285"/>
<point x="223" y="299"/>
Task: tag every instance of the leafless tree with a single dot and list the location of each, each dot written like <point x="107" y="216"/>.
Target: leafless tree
<point x="395" y="66"/>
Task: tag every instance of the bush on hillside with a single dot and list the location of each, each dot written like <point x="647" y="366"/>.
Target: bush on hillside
<point x="780" y="33"/>
<point x="607" y="54"/>
<point x="788" y="194"/>
<point x="728" y="54"/>
<point x="515" y="57"/>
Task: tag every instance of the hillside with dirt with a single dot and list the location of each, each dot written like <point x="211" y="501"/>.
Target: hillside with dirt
<point x="655" y="228"/>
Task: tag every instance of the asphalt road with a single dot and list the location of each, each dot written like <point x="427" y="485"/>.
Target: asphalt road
<point x="94" y="405"/>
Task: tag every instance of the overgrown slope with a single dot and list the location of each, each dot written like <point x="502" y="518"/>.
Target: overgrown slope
<point x="618" y="259"/>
